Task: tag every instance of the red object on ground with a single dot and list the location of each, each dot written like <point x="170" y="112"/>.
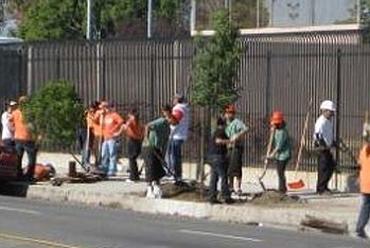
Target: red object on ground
<point x="296" y="185"/>
<point x="43" y="172"/>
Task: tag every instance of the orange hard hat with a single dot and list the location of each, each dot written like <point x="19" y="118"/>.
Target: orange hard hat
<point x="277" y="118"/>
<point x="230" y="108"/>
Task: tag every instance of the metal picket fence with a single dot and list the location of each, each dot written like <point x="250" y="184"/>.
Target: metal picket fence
<point x="283" y="74"/>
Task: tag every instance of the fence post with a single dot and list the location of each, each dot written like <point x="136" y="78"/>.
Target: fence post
<point x="57" y="65"/>
<point x="176" y="56"/>
<point x="338" y="112"/>
<point x="20" y="86"/>
<point x="29" y="69"/>
<point x="152" y="69"/>
<point x="98" y="71"/>
<point x="268" y="84"/>
<point x="103" y="74"/>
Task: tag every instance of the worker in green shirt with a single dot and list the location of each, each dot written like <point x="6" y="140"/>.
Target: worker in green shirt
<point x="235" y="131"/>
<point x="156" y="133"/>
<point x="281" y="147"/>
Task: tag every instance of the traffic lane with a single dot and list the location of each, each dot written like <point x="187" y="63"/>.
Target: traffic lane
<point x="13" y="241"/>
<point x="99" y="227"/>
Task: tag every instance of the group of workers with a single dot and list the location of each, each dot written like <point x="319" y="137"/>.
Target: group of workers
<point x="163" y="137"/>
<point x="17" y="136"/>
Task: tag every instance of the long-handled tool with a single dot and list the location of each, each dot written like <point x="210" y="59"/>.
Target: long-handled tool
<point x="87" y="148"/>
<point x="298" y="184"/>
<point x="266" y="162"/>
<point x="98" y="159"/>
<point x="163" y="162"/>
<point x="141" y="169"/>
<point x="158" y="156"/>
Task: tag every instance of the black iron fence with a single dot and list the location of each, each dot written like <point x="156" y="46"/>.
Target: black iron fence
<point x="282" y="76"/>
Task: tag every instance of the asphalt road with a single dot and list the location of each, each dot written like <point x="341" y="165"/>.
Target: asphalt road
<point x="27" y="223"/>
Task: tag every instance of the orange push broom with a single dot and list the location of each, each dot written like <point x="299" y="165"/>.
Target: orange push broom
<point x="298" y="184"/>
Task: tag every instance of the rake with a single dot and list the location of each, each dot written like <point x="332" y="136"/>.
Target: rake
<point x="298" y="184"/>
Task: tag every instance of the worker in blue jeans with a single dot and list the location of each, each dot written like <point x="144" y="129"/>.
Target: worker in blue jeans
<point x="179" y="134"/>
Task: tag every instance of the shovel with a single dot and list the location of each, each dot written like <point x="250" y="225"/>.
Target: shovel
<point x="272" y="132"/>
<point x="298" y="184"/>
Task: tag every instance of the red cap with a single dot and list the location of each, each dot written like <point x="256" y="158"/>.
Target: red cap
<point x="277" y="118"/>
<point x="231" y="108"/>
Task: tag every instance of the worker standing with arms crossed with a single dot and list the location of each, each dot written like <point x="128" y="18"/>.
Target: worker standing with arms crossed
<point x="324" y="142"/>
<point x="179" y="134"/>
<point x="111" y="123"/>
<point x="235" y="131"/>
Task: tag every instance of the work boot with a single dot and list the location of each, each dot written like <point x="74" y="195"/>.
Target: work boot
<point x="229" y="201"/>
<point x="157" y="191"/>
<point x="214" y="201"/>
<point x="325" y="192"/>
<point x="149" y="192"/>
<point x="361" y="234"/>
<point x="234" y="195"/>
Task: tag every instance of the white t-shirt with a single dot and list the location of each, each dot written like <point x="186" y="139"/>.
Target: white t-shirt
<point x="7" y="133"/>
<point x="180" y="131"/>
<point x="324" y="129"/>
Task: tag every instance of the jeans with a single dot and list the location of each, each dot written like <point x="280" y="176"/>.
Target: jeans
<point x="109" y="157"/>
<point x="97" y="149"/>
<point x="280" y="167"/>
<point x="134" y="150"/>
<point x="9" y="143"/>
<point x="325" y="171"/>
<point x="30" y="148"/>
<point x="363" y="218"/>
<point x="175" y="161"/>
<point x="218" y="171"/>
<point x="86" y="137"/>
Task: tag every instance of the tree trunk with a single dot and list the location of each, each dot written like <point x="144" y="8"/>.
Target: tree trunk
<point x="205" y="134"/>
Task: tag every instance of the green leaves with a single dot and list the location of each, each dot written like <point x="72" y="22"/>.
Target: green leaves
<point x="365" y="19"/>
<point x="66" y="19"/>
<point x="53" y="19"/>
<point x="216" y="64"/>
<point x="55" y="113"/>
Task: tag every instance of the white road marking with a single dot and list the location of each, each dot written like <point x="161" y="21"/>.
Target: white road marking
<point x="20" y="210"/>
<point x="219" y="235"/>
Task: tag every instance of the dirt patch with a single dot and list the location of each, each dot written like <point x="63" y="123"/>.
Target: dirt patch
<point x="192" y="192"/>
<point x="184" y="192"/>
<point x="272" y="197"/>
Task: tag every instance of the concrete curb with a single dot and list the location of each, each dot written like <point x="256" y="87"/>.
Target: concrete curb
<point x="284" y="216"/>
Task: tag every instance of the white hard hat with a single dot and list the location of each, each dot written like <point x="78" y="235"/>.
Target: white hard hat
<point x="366" y="131"/>
<point x="327" y="105"/>
<point x="12" y="103"/>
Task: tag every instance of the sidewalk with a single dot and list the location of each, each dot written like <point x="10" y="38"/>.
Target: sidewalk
<point x="117" y="193"/>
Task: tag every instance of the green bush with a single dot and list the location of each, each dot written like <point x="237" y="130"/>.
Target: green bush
<point x="54" y="113"/>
